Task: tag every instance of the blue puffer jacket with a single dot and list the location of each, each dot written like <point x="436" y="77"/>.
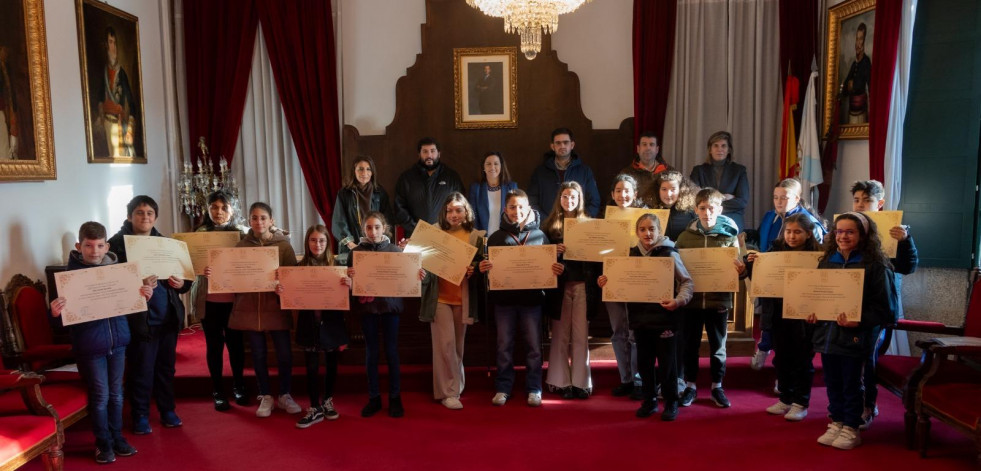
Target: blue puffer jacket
<point x="772" y="225"/>
<point x="97" y="338"/>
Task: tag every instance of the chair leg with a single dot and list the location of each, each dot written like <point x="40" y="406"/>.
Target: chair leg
<point x="923" y="433"/>
<point x="909" y="420"/>
<point x="53" y="459"/>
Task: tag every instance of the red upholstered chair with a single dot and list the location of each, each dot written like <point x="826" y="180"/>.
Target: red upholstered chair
<point x="29" y="426"/>
<point x="901" y="374"/>
<point x="950" y="398"/>
<point x="30" y="333"/>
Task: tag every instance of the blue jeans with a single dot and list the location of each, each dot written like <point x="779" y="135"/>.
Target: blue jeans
<point x="388" y="326"/>
<point x="508" y="318"/>
<point x="843" y="378"/>
<point x="284" y="360"/>
<point x="103" y="377"/>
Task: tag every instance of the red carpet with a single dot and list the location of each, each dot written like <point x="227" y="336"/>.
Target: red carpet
<point x="599" y="433"/>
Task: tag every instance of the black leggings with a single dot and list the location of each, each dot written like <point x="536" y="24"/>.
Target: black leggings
<point x="217" y="336"/>
<point x="330" y="376"/>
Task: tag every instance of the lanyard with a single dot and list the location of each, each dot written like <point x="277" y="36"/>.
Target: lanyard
<point x="520" y="242"/>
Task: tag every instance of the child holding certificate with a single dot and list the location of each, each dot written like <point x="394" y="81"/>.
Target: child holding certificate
<point x="791" y="337"/>
<point x="845" y="345"/>
<point x="450" y="308"/>
<point x="319" y="331"/>
<point x="708" y="310"/>
<point x="676" y="193"/>
<point x="100" y="348"/>
<point x="655" y="326"/>
<point x="512" y="308"/>
<point x="573" y="303"/>
<point x="259" y="313"/>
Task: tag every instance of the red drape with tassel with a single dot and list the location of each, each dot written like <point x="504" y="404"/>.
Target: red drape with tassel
<point x="885" y="43"/>
<point x="219" y="40"/>
<point x="653" y="51"/>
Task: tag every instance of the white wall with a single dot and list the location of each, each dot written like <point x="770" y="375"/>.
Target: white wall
<point x="39" y="220"/>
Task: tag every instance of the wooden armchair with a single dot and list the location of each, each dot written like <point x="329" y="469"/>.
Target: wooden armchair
<point x="950" y="398"/>
<point x="29" y="333"/>
<point x="29" y="426"/>
<point x="901" y="374"/>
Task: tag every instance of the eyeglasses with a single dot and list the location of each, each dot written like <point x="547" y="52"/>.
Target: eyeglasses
<point x="846" y="232"/>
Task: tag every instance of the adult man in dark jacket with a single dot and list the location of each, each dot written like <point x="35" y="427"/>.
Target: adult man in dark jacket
<point x="422" y="189"/>
<point x="562" y="165"/>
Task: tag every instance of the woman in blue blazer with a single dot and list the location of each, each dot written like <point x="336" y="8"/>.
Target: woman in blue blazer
<point x="488" y="196"/>
<point x="721" y="173"/>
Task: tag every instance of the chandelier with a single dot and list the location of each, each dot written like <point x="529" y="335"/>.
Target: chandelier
<point x="194" y="188"/>
<point x="528" y="18"/>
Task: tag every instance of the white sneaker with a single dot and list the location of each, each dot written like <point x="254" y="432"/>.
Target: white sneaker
<point x="453" y="403"/>
<point x="759" y="358"/>
<point x="499" y="399"/>
<point x="830" y="435"/>
<point x="796" y="413"/>
<point x="266" y="404"/>
<point x="778" y="409"/>
<point x="287" y="403"/>
<point x="848" y="438"/>
<point x="535" y="399"/>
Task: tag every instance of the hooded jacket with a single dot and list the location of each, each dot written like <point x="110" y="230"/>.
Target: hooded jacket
<point x="378" y="305"/>
<point x="529" y="234"/>
<point x="260" y="312"/>
<point x="655" y="316"/>
<point x="772" y="226"/>
<point x="99" y="337"/>
<point x="722" y="234"/>
<point x="544" y="185"/>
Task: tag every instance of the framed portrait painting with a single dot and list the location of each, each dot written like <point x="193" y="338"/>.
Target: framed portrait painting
<point x="485" y="87"/>
<point x="112" y="83"/>
<point x="849" y="67"/>
<point x="26" y="142"/>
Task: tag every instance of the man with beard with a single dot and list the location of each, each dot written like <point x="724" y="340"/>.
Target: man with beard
<point x="646" y="166"/>
<point x="562" y="165"/>
<point x="422" y="189"/>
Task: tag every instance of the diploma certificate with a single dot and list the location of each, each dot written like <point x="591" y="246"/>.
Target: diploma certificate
<point x="159" y="256"/>
<point x="590" y="240"/>
<point x="387" y="274"/>
<point x="442" y="253"/>
<point x="638" y="279"/>
<point x="100" y="292"/>
<point x="884" y="220"/>
<point x="243" y="269"/>
<point x="825" y="292"/>
<point x="310" y="288"/>
<point x="770" y="267"/>
<point x="522" y="267"/>
<point x="712" y="269"/>
<point x="632" y="214"/>
<point x="198" y="244"/>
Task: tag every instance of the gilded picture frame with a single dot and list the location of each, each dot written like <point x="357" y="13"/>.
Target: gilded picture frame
<point x="485" y="87"/>
<point x="112" y="83"/>
<point x="848" y="67"/>
<point x="26" y="135"/>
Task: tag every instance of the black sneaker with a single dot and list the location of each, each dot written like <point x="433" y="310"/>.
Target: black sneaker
<point x="221" y="402"/>
<point x="241" y="395"/>
<point x="122" y="448"/>
<point x="329" y="412"/>
<point x="104" y="456"/>
<point x="670" y="412"/>
<point x="623" y="389"/>
<point x="647" y="408"/>
<point x="568" y="393"/>
<point x="395" y="408"/>
<point x="314" y="416"/>
<point x="579" y="393"/>
<point x="372" y="407"/>
<point x="719" y="397"/>
<point x="688" y="396"/>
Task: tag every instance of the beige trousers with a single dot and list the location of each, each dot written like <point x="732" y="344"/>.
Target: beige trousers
<point x="570" y="331"/>
<point x="448" y="331"/>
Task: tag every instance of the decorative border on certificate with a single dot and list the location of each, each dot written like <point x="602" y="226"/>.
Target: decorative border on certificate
<point x="198" y="244"/>
<point x="522" y="267"/>
<point x="633" y="214"/>
<point x="708" y="271"/>
<point x="387" y="274"/>
<point x="884" y="221"/>
<point x="100" y="292"/>
<point x="638" y="279"/>
<point x="591" y="240"/>
<point x="442" y="254"/>
<point x="159" y="256"/>
<point x="311" y="288"/>
<point x="769" y="270"/>
<point x="825" y="292"/>
<point x="243" y="269"/>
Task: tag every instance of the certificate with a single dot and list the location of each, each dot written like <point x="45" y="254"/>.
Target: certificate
<point x="885" y="220"/>
<point x="198" y="244"/>
<point x="100" y="292"/>
<point x="770" y="267"/>
<point x="243" y="269"/>
<point x="712" y="269"/>
<point x="442" y="253"/>
<point x="592" y="239"/>
<point x="825" y="292"/>
<point x="159" y="256"/>
<point x="638" y="279"/>
<point x="522" y="267"/>
<point x="310" y="288"/>
<point x="387" y="274"/>
<point x="632" y="214"/>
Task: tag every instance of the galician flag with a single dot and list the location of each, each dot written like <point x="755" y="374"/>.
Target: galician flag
<point x="809" y="146"/>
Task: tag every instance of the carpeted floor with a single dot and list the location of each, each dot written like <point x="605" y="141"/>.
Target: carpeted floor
<point x="598" y="433"/>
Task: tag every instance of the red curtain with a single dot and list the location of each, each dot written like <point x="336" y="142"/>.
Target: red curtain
<point x="219" y="39"/>
<point x="653" y="31"/>
<point x="300" y="38"/>
<point x="885" y="43"/>
<point x="798" y="43"/>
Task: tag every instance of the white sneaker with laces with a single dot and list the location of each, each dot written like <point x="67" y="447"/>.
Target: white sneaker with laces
<point x="535" y="399"/>
<point x="452" y="403"/>
<point x="830" y="435"/>
<point x="796" y="413"/>
<point x="499" y="399"/>
<point x="848" y="438"/>
<point x="759" y="359"/>
<point x="778" y="409"/>
<point x="266" y="404"/>
<point x="287" y="403"/>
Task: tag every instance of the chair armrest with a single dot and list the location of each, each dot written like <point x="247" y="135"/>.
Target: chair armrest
<point x="927" y="327"/>
<point x="18" y="379"/>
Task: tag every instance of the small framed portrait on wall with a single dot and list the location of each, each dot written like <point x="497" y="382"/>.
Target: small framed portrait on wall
<point x="485" y="87"/>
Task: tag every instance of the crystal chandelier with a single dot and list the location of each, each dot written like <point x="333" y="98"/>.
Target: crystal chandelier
<point x="528" y="18"/>
<point x="195" y="187"/>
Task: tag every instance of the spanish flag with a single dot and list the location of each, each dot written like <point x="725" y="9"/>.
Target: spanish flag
<point x="788" y="135"/>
